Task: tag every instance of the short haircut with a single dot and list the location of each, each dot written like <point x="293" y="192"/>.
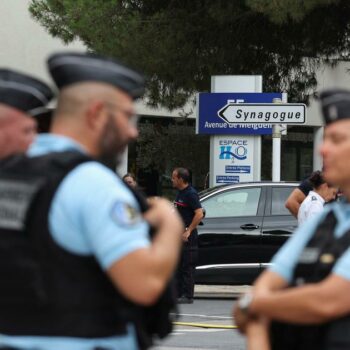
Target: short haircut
<point x="316" y="179"/>
<point x="183" y="174"/>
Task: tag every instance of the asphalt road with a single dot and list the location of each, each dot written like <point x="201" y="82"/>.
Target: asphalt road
<point x="210" y="312"/>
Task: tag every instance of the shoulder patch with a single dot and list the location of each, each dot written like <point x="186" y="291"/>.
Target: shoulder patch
<point x="124" y="214"/>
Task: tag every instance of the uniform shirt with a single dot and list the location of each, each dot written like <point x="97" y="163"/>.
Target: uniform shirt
<point x="88" y="216"/>
<point x="284" y="262"/>
<point x="311" y="206"/>
<point x="186" y="202"/>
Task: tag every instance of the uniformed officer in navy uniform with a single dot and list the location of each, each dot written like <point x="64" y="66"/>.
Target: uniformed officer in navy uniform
<point x="190" y="210"/>
<point x="75" y="251"/>
<point x="21" y="98"/>
<point x="304" y="296"/>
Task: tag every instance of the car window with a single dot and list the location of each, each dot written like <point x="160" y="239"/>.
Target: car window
<point x="209" y="190"/>
<point x="279" y="197"/>
<point x="239" y="202"/>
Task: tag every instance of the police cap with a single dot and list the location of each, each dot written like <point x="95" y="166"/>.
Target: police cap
<point x="70" y="68"/>
<point x="23" y="92"/>
<point x="335" y="105"/>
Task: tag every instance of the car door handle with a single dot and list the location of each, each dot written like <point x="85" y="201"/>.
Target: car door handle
<point x="249" y="227"/>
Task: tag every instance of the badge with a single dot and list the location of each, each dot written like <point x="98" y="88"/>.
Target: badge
<point x="124" y="214"/>
<point x="327" y="258"/>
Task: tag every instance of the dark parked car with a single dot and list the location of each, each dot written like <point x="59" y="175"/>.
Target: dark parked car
<point x="245" y="224"/>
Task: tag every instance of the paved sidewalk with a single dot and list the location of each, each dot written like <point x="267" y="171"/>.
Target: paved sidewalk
<point x="214" y="291"/>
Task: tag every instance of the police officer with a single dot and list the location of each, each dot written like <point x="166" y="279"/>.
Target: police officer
<point x="190" y="209"/>
<point x="21" y="97"/>
<point x="304" y="296"/>
<point x="316" y="199"/>
<point x="74" y="247"/>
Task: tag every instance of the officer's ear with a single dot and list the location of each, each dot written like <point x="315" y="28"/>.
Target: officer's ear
<point x="96" y="115"/>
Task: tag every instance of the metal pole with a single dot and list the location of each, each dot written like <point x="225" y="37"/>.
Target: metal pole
<point x="276" y="148"/>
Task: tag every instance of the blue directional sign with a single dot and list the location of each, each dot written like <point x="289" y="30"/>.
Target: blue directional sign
<point x="209" y="122"/>
<point x="223" y="179"/>
<point x="237" y="169"/>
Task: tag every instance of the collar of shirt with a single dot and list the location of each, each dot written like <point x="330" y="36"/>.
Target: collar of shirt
<point x="45" y="143"/>
<point x="313" y="193"/>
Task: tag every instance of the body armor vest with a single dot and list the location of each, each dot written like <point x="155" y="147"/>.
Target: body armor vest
<point x="315" y="264"/>
<point x="46" y="290"/>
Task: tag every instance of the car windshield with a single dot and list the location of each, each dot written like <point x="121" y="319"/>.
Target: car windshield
<point x="209" y="190"/>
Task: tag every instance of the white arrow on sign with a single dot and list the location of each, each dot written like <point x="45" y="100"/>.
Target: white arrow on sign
<point x="269" y="113"/>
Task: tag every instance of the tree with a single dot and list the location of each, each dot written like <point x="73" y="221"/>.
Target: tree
<point x="179" y="44"/>
<point x="165" y="146"/>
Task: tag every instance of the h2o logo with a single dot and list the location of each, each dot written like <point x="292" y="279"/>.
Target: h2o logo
<point x="229" y="152"/>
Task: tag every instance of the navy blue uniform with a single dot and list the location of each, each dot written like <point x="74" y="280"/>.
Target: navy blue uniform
<point x="186" y="202"/>
<point x="305" y="187"/>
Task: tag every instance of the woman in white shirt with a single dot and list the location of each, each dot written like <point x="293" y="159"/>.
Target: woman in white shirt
<point x="315" y="200"/>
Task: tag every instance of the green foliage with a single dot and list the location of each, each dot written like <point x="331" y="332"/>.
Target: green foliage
<point x="280" y="11"/>
<point x="166" y="146"/>
<point x="179" y="44"/>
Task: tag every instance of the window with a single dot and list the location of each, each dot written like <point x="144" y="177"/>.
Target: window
<point x="240" y="202"/>
<point x="279" y="197"/>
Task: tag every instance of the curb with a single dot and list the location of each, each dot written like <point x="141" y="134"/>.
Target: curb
<point x="218" y="291"/>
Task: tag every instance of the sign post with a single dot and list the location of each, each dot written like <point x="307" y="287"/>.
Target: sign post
<point x="277" y="143"/>
<point x="240" y="165"/>
<point x="231" y="84"/>
<point x="236" y="121"/>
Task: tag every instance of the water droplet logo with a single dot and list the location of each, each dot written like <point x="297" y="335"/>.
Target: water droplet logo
<point x="227" y="152"/>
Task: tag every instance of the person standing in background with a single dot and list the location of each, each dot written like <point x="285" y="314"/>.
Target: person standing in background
<point x="191" y="212"/>
<point x="130" y="180"/>
<point x="314" y="202"/>
<point x="297" y="196"/>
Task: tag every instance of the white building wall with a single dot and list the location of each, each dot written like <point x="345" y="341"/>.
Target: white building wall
<point x="25" y="45"/>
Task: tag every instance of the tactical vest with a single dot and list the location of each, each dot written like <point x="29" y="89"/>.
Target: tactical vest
<point x="46" y="290"/>
<point x="315" y="264"/>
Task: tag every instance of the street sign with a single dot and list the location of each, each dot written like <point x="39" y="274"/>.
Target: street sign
<point x="234" y="157"/>
<point x="237" y="169"/>
<point x="208" y="105"/>
<point x="263" y="113"/>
